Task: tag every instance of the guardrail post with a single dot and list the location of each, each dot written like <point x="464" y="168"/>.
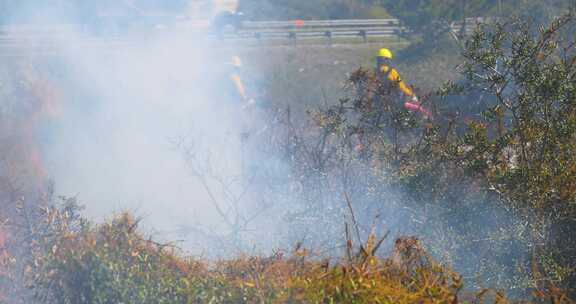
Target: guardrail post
<point x="362" y="33"/>
<point x="328" y="35"/>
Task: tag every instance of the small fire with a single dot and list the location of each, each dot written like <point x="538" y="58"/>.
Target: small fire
<point x="46" y="101"/>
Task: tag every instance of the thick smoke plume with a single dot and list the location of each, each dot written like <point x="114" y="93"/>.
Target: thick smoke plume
<point x="129" y="104"/>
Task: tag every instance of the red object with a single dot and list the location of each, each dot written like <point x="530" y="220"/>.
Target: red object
<point x="416" y="107"/>
<point x="299" y="23"/>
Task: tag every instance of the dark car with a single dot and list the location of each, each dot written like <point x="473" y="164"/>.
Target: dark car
<point x="227" y="22"/>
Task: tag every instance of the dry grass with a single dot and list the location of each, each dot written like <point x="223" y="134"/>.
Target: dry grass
<point x="114" y="263"/>
<point x="113" y="260"/>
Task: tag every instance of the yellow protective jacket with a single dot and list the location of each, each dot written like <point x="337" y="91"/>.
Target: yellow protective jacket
<point x="394" y="77"/>
<point x="239" y="85"/>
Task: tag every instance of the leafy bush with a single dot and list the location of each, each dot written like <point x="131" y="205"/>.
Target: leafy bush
<point x="523" y="148"/>
<point x="489" y="175"/>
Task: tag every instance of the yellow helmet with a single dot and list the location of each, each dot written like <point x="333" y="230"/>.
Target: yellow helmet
<point x="236" y="62"/>
<point x="386" y="53"/>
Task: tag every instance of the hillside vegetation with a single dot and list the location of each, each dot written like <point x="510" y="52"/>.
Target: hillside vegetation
<point x="484" y="186"/>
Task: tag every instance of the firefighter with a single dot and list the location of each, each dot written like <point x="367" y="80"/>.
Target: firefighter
<point x="388" y="74"/>
<point x="391" y="82"/>
<point x="236" y="78"/>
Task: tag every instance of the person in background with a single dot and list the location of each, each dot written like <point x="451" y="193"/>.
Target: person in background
<point x="390" y="82"/>
<point x="389" y="75"/>
<point x="236" y="78"/>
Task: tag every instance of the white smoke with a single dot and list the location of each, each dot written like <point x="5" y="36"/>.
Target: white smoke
<point x="132" y="102"/>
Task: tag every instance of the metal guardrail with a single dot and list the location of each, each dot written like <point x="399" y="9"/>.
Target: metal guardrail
<point x="354" y="28"/>
<point x="305" y="24"/>
<point x="13" y="38"/>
